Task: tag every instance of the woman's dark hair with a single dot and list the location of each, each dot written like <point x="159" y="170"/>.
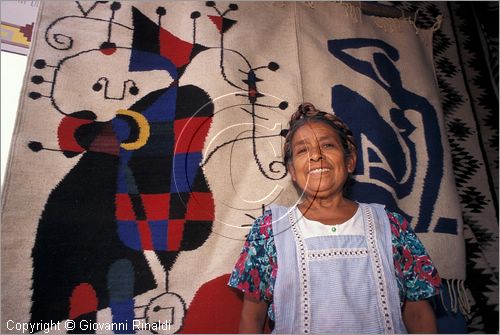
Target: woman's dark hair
<point x="305" y="113"/>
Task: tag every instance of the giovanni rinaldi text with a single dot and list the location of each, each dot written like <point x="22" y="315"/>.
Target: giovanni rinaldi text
<point x="33" y="327"/>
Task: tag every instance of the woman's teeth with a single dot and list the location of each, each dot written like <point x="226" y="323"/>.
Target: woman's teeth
<point x="318" y="170"/>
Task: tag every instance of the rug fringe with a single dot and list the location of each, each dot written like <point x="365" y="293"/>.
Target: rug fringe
<point x="458" y="297"/>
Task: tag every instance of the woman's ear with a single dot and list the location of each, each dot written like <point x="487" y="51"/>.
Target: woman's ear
<point x="351" y="162"/>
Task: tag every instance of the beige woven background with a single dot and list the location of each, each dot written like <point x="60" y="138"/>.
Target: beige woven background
<point x="295" y="36"/>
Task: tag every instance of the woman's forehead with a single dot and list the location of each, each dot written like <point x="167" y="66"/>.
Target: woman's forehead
<point x="314" y="131"/>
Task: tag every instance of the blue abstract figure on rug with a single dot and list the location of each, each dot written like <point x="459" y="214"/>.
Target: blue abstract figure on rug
<point x="390" y="152"/>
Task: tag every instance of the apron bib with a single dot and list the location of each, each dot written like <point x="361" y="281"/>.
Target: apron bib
<point x="335" y="284"/>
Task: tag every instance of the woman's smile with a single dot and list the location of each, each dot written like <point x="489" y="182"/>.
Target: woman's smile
<point x="318" y="171"/>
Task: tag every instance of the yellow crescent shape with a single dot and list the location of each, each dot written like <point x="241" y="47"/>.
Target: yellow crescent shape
<point x="144" y="130"/>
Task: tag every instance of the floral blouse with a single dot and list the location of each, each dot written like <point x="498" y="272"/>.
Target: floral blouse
<point x="256" y="268"/>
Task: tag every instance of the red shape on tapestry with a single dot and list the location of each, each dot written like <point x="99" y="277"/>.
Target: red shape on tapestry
<point x="83" y="300"/>
<point x="215" y="309"/>
<point x="156" y="206"/>
<point x="106" y="141"/>
<point x="217" y="20"/>
<point x="108" y="51"/>
<point x="66" y="133"/>
<point x="174" y="49"/>
<point x="223" y="24"/>
<point x="174" y="234"/>
<point x="190" y="134"/>
<point x="200" y="207"/>
<point x="124" y="208"/>
<point x="108" y="48"/>
<point x="145" y="234"/>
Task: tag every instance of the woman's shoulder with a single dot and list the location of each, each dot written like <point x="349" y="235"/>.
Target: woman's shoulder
<point x="262" y="227"/>
<point x="265" y="219"/>
<point x="396" y="219"/>
<point x="400" y="227"/>
<point x="267" y="215"/>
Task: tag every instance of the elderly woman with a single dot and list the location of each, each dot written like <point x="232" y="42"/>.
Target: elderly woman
<point x="330" y="264"/>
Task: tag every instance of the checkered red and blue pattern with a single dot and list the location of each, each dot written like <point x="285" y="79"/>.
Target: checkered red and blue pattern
<point x="162" y="193"/>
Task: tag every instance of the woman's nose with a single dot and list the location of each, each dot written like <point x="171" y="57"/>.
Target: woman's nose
<point x="315" y="153"/>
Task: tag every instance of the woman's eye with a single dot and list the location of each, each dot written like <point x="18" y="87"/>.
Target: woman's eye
<point x="300" y="150"/>
<point x="328" y="145"/>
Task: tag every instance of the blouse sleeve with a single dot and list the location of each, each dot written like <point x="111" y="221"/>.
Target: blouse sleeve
<point x="420" y="277"/>
<point x="256" y="263"/>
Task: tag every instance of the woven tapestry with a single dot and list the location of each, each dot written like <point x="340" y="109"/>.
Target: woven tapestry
<point x="466" y="63"/>
<point x="149" y="139"/>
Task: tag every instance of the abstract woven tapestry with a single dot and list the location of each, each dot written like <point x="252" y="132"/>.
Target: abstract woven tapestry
<point x="466" y="63"/>
<point x="149" y="138"/>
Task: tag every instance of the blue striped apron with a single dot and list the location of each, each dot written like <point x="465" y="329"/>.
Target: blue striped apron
<point x="335" y="284"/>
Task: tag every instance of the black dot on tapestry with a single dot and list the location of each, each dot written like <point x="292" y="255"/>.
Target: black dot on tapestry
<point x="107" y="45"/>
<point x="161" y="11"/>
<point x="283" y="105"/>
<point x="273" y="66"/>
<point x="116" y="6"/>
<point x="35" y="95"/>
<point x="37" y="79"/>
<point x="35" y="146"/>
<point x="40" y="64"/>
<point x="134" y="90"/>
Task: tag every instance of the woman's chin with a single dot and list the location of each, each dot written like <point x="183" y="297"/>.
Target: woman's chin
<point x="318" y="191"/>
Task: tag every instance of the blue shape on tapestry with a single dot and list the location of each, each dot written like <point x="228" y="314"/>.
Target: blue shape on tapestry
<point x="120" y="282"/>
<point x="129" y="234"/>
<point x="147" y="61"/>
<point x="163" y="108"/>
<point x="447" y="226"/>
<point x="353" y="108"/>
<point x="121" y="128"/>
<point x="125" y="178"/>
<point x="383" y="71"/>
<point x="185" y="169"/>
<point x="159" y="234"/>
<point x="123" y="316"/>
<point x="121" y="181"/>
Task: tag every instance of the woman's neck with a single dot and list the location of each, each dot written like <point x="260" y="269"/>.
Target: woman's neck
<point x="333" y="210"/>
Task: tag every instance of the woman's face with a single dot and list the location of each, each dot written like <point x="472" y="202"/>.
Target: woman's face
<point x="318" y="165"/>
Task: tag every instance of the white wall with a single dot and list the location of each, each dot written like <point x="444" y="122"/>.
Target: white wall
<point x="13" y="67"/>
